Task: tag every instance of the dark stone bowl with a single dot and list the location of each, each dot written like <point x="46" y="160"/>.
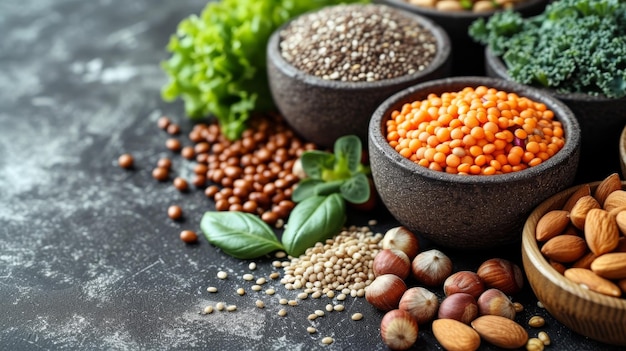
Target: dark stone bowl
<point x="601" y="121"/>
<point x="467" y="55"/>
<point x="467" y="211"/>
<point x="321" y="110"/>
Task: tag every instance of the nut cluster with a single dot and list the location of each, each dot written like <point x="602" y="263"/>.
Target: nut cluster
<point x="357" y="43"/>
<point x="343" y="263"/>
<point x="476" y="305"/>
<point x="585" y="240"/>
<point x="476" y="5"/>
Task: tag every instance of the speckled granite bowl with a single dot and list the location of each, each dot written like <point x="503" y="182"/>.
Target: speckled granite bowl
<point x="467" y="211"/>
<point x="321" y="110"/>
<point x="601" y="120"/>
<point x="467" y="55"/>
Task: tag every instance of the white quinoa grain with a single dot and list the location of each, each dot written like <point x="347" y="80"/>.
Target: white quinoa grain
<point x="270" y="291"/>
<point x="320" y="313"/>
<point x="292" y="303"/>
<point x="259" y="304"/>
<point x="208" y="310"/>
<point x="329" y="307"/>
<point x="311" y="330"/>
<point x="339" y="308"/>
<point x="282" y="312"/>
<point x="327" y="340"/>
<point x="280" y="254"/>
<point x="303" y="296"/>
<point x="241" y="291"/>
<point x="211" y="289"/>
<point x="357" y="316"/>
<point x="282" y="301"/>
<point x="261" y="281"/>
<point x="220" y="306"/>
<point x="341" y="297"/>
<point x="248" y="277"/>
<point x="312" y="316"/>
<point x="222" y="275"/>
<point x="231" y="308"/>
<point x="256" y="287"/>
<point x="274" y="275"/>
<point x="252" y="266"/>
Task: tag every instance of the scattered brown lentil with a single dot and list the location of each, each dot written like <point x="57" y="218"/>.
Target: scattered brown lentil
<point x="164" y="162"/>
<point x="125" y="161"/>
<point x="173" y="144"/>
<point x="163" y="122"/>
<point x="160" y="173"/>
<point x="173" y="128"/>
<point x="188" y="236"/>
<point x="180" y="184"/>
<point x="188" y="152"/>
<point x="175" y="212"/>
<point x="357" y="43"/>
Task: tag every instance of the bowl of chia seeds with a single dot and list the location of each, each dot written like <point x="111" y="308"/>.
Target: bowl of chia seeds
<point x="328" y="70"/>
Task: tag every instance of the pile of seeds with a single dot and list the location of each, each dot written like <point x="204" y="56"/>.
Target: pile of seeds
<point x="343" y="263"/>
<point x="254" y="174"/>
<point x="357" y="43"/>
<point x="459" y="5"/>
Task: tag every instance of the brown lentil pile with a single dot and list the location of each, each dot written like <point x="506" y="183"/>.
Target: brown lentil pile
<point x="357" y="43"/>
<point x="474" y="6"/>
<point x="343" y="263"/>
<point x="253" y="174"/>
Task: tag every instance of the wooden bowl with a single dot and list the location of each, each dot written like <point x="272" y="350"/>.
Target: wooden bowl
<point x="591" y="314"/>
<point x="622" y="153"/>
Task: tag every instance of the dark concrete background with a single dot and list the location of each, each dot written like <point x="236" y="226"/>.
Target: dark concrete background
<point x="88" y="258"/>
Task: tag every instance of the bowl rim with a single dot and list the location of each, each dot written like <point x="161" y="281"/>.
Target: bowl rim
<point x="531" y="249"/>
<point x="442" y="56"/>
<point x="459" y="14"/>
<point x="562" y="111"/>
<point x="501" y="70"/>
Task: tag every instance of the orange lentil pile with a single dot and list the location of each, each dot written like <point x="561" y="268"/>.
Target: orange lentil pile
<point x="476" y="131"/>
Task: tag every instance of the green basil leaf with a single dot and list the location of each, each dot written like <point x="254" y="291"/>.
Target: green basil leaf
<point x="348" y="151"/>
<point x="239" y="234"/>
<point x="329" y="187"/>
<point x="356" y="189"/>
<point x="314" y="162"/>
<point x="306" y="188"/>
<point x="313" y="220"/>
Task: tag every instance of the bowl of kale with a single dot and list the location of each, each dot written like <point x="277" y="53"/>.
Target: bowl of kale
<point x="576" y="51"/>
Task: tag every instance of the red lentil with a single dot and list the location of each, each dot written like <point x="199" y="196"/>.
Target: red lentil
<point x="188" y="236"/>
<point x="475" y="131"/>
<point x="175" y="212"/>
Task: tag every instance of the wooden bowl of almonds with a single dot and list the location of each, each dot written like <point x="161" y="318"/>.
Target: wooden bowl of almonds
<point x="574" y="256"/>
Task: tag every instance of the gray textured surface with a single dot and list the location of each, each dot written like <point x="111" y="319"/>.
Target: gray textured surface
<point x="88" y="258"/>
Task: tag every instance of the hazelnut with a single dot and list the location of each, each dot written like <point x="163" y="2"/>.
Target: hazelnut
<point x="392" y="261"/>
<point x="398" y="330"/>
<point x="421" y="303"/>
<point x="464" y="282"/>
<point x="431" y="267"/>
<point x="402" y="239"/>
<point x="501" y="274"/>
<point x="495" y="302"/>
<point x="460" y="306"/>
<point x="385" y="292"/>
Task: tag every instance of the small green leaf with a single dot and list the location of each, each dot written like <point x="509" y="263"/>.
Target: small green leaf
<point x="313" y="220"/>
<point x="314" y="162"/>
<point x="327" y="188"/>
<point x="305" y="188"/>
<point x="356" y="189"/>
<point x="241" y="235"/>
<point x="348" y="149"/>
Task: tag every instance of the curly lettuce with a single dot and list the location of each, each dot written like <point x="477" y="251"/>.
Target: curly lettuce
<point x="573" y="46"/>
<point x="218" y="64"/>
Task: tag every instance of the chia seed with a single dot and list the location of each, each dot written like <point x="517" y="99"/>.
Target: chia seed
<point x="357" y="43"/>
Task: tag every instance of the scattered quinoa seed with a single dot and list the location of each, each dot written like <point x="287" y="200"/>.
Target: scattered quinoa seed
<point x="311" y="330"/>
<point x="303" y="296"/>
<point x="261" y="281"/>
<point x="282" y="301"/>
<point x="252" y="266"/>
<point x="319" y="313"/>
<point x="357" y="316"/>
<point x="292" y="303"/>
<point x="327" y="340"/>
<point x="259" y="304"/>
<point x="270" y="291"/>
<point x="282" y="312"/>
<point x="220" y="306"/>
<point x="211" y="289"/>
<point x="274" y="275"/>
<point x="208" y="310"/>
<point x="222" y="275"/>
<point x="339" y="308"/>
<point x="241" y="291"/>
<point x="329" y="308"/>
<point x="280" y="254"/>
<point x="312" y="316"/>
<point x="231" y="308"/>
<point x="256" y="288"/>
<point x="540" y="304"/>
<point x="341" y="297"/>
<point x="248" y="277"/>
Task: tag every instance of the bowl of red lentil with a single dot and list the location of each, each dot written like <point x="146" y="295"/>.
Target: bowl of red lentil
<point x="329" y="69"/>
<point x="467" y="57"/>
<point x="464" y="160"/>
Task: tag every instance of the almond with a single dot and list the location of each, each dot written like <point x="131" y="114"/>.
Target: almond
<point x="620" y="218"/>
<point x="552" y="224"/>
<point x="621" y="245"/>
<point x="601" y="231"/>
<point x="622" y="285"/>
<point x="455" y="336"/>
<point x="500" y="331"/>
<point x="564" y="248"/>
<point x="585" y="261"/>
<point x="583" y="190"/>
<point x="610" y="265"/>
<point x="615" y="200"/>
<point x="579" y="211"/>
<point x="589" y="280"/>
<point x="558" y="266"/>
<point x="606" y="187"/>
